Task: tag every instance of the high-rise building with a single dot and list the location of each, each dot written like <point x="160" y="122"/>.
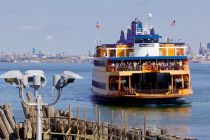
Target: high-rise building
<point x="33" y="51"/>
<point x="208" y="46"/>
<point x="203" y="49"/>
<point x="89" y="53"/>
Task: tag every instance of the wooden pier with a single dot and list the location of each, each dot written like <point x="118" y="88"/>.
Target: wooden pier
<point x="64" y="125"/>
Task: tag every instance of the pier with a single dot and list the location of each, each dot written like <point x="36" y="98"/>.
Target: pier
<point x="64" y="125"/>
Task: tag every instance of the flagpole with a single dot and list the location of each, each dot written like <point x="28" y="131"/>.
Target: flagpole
<point x="174" y="34"/>
<point x="97" y="34"/>
<point x="173" y="25"/>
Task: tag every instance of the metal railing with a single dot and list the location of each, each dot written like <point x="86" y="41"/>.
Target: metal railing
<point x="115" y="68"/>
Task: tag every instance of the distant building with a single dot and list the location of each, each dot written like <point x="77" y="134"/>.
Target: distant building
<point x="89" y="53"/>
<point x="208" y="46"/>
<point x="33" y="51"/>
<point x="190" y="51"/>
<point x="203" y="50"/>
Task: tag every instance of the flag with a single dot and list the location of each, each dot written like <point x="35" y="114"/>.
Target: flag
<point x="173" y="23"/>
<point x="97" y="25"/>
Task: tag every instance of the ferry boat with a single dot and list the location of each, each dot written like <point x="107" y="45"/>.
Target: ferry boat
<point x="140" y="68"/>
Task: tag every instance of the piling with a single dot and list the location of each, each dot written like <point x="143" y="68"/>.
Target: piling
<point x="145" y="125"/>
<point x="4" y="132"/>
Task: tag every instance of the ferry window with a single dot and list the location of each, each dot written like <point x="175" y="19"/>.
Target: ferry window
<point x="113" y="53"/>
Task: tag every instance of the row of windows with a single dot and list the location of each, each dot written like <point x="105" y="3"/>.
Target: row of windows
<point x="99" y="63"/>
<point x="146" y="41"/>
<point x="98" y="84"/>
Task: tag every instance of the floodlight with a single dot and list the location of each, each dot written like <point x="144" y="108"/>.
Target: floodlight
<point x="32" y="74"/>
<point x="60" y="81"/>
<point x="36" y="79"/>
<point x="72" y="75"/>
<point x="13" y="77"/>
<point x="69" y="77"/>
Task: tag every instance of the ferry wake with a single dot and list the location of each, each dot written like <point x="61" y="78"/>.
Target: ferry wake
<point x="140" y="68"/>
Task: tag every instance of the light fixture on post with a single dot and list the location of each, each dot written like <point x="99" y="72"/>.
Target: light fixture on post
<point x="35" y="79"/>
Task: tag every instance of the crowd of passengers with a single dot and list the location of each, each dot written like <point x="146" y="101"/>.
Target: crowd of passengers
<point x="149" y="65"/>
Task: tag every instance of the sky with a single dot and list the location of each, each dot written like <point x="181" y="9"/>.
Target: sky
<point x="69" y="26"/>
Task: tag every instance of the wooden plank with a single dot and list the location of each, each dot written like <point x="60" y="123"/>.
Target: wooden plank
<point x="17" y="131"/>
<point x="6" y="122"/>
<point x="10" y="117"/>
<point x="3" y="129"/>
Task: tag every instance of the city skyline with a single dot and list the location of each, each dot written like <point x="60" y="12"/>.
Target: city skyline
<point x="70" y="26"/>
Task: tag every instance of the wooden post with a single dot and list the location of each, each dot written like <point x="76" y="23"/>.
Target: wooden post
<point x="9" y="116"/>
<point x="25" y="110"/>
<point x="77" y="121"/>
<point x="6" y="123"/>
<point x="126" y="118"/>
<point x="62" y="126"/>
<point x="105" y="130"/>
<point x="17" y="129"/>
<point x="85" y="110"/>
<point x="111" y="119"/>
<point x="95" y="122"/>
<point x="99" y="123"/>
<point x="145" y="126"/>
<point x="68" y="133"/>
<point x="122" y="124"/>
<point x="69" y="117"/>
<point x="134" y="120"/>
<point x="122" y="118"/>
<point x="27" y="129"/>
<point x="111" y="124"/>
<point x="30" y="113"/>
<point x="78" y="113"/>
<point x="95" y="115"/>
<point x="33" y="121"/>
<point x="48" y="117"/>
<point x="5" y="133"/>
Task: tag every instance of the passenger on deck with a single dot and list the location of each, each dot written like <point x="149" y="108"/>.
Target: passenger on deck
<point x="180" y="65"/>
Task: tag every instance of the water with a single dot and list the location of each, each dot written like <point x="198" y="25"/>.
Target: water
<point x="187" y="120"/>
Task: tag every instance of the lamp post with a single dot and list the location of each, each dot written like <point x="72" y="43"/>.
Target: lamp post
<point x="36" y="79"/>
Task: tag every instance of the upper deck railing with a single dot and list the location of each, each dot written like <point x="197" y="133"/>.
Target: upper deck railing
<point x="147" y="66"/>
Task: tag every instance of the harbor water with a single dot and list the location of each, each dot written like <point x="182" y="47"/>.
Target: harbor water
<point x="189" y="119"/>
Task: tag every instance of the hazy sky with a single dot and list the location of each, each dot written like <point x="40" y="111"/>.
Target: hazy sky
<point x="70" y="25"/>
